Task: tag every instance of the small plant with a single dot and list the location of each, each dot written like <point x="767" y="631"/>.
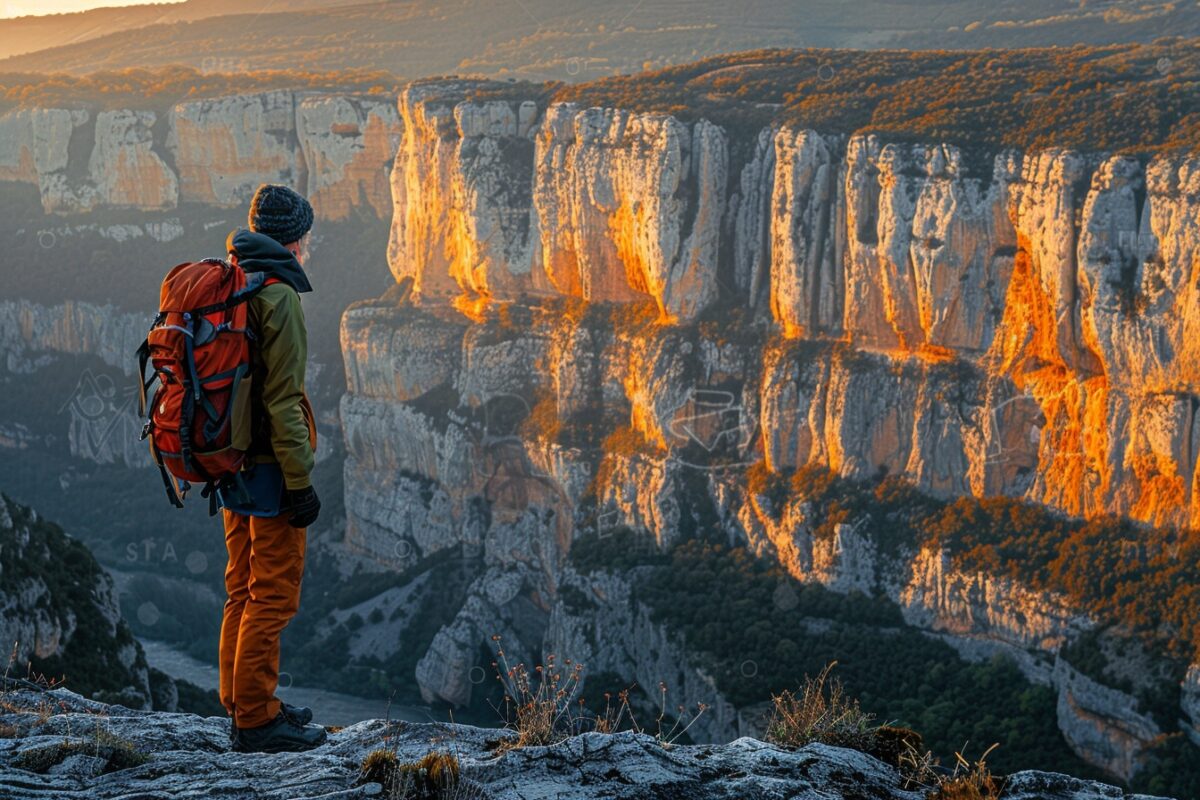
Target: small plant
<point x="544" y="707"/>
<point x="541" y="707"/>
<point x="435" y="777"/>
<point x="679" y="728"/>
<point x="820" y="712"/>
<point x="33" y="681"/>
<point x="970" y="781"/>
<point x="118" y="753"/>
<point x="904" y="749"/>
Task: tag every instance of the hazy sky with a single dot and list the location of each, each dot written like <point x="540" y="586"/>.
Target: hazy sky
<point x="18" y="8"/>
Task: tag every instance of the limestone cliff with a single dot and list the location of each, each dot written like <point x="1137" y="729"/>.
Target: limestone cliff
<point x="123" y="169"/>
<point x="870" y="307"/>
<point x="30" y="329"/>
<point x="102" y="421"/>
<point x="336" y="148"/>
<point x="1053" y="292"/>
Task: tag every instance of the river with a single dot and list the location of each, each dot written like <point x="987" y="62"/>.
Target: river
<point x="329" y="708"/>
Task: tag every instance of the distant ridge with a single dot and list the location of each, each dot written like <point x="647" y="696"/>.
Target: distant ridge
<point x="29" y="34"/>
<point x="568" y="40"/>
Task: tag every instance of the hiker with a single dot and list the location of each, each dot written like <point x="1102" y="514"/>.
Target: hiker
<point x="228" y="350"/>
<point x="276" y="428"/>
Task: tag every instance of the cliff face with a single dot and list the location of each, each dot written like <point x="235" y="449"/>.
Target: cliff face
<point x="103" y="425"/>
<point x="446" y="430"/>
<point x="850" y="303"/>
<point x="123" y="168"/>
<point x="334" y="148"/>
<point x="28" y="329"/>
<point x="1055" y="295"/>
<point x="59" y="609"/>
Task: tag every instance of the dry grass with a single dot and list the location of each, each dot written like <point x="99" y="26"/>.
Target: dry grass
<point x="437" y="776"/>
<point x="820" y="712"/>
<point x="118" y="753"/>
<point x="970" y="781"/>
<point x="904" y="749"/>
<point x="544" y="707"/>
<point x="33" y="681"/>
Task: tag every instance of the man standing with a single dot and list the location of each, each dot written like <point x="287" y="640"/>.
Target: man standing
<point x="274" y="423"/>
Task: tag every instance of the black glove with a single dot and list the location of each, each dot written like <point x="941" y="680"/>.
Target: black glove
<point x="303" y="505"/>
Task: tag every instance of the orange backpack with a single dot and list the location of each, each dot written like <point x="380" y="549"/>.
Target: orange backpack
<point x="199" y="347"/>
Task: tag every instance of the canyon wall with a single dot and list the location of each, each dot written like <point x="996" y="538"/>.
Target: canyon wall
<point x="335" y="148"/>
<point x="679" y="314"/>
<point x="97" y="406"/>
<point x="1052" y="297"/>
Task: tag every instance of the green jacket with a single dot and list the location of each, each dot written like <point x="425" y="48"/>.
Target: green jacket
<point x="273" y="420"/>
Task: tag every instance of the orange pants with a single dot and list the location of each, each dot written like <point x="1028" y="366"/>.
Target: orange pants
<point x="262" y="581"/>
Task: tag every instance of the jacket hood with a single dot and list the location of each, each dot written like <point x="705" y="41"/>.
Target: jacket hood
<point x="258" y="253"/>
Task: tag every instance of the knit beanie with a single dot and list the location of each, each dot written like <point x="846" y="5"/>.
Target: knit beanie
<point x="280" y="213"/>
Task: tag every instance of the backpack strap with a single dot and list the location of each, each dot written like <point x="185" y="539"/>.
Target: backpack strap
<point x="215" y="425"/>
<point x="143" y="356"/>
<point x="254" y="285"/>
<point x="173" y="492"/>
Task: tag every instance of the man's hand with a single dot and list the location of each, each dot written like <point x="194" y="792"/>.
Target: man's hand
<point x="303" y="505"/>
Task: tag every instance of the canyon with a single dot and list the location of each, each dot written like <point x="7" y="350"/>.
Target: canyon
<point x="604" y="319"/>
<point x="799" y="299"/>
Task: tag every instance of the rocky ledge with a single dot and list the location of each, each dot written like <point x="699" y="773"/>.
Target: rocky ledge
<point x="58" y="745"/>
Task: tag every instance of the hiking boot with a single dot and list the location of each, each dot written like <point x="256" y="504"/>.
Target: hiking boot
<point x="298" y="714"/>
<point x="280" y="735"/>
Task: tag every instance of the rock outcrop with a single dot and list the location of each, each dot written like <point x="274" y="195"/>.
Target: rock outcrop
<point x="461" y="188"/>
<point x="502" y="198"/>
<point x="123" y="169"/>
<point x="630" y="204"/>
<point x="336" y="148"/>
<point x="224" y="147"/>
<point x="89" y="749"/>
<point x="59" y="609"/>
<point x="348" y="143"/>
